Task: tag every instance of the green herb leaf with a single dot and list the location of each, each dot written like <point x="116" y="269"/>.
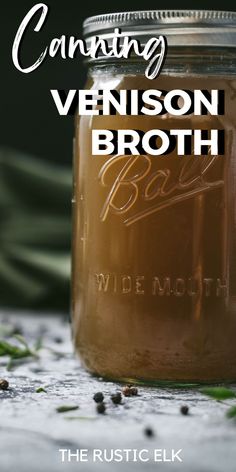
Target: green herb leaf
<point x="65" y="408"/>
<point x="218" y="393"/>
<point x="39" y="344"/>
<point x="21" y="340"/>
<point x="40" y="389"/>
<point x="231" y="413"/>
<point x="15" y="352"/>
<point x="10" y="365"/>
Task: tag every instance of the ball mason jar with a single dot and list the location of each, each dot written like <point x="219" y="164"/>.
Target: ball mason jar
<point x="154" y="238"/>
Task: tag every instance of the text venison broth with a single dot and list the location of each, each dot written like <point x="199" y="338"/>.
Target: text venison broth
<point x="150" y="102"/>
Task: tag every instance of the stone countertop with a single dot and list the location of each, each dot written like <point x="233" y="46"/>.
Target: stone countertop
<point x="32" y="431"/>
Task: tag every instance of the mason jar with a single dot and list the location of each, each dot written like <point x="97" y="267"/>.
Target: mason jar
<point x="154" y="252"/>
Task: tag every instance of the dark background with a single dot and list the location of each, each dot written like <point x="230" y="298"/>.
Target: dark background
<point x="29" y="119"/>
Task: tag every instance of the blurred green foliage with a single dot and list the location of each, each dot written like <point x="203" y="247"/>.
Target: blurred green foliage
<point x="35" y="233"/>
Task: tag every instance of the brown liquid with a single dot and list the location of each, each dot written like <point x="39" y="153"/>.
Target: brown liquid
<point x="154" y="279"/>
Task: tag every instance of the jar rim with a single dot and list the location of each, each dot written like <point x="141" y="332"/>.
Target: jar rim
<point x="180" y="27"/>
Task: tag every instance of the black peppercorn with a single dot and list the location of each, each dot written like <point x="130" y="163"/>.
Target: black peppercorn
<point x="98" y="397"/>
<point x="149" y="432"/>
<point x="58" y="340"/>
<point x="126" y="391"/>
<point x="134" y="391"/>
<point x="4" y="384"/>
<point x="184" y="410"/>
<point x="129" y="391"/>
<point x="116" y="398"/>
<point x="101" y="408"/>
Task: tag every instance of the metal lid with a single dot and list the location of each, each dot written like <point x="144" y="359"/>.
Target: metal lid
<point x="181" y="27"/>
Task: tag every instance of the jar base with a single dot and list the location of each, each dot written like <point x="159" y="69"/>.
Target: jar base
<point x="151" y="381"/>
<point x="178" y="384"/>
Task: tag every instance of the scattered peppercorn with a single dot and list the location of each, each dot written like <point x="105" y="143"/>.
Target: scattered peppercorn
<point x="129" y="391"/>
<point x="149" y="432"/>
<point x="184" y="410"/>
<point x="126" y="391"/>
<point x="4" y="384"/>
<point x="98" y="397"/>
<point x="58" y="340"/>
<point x="116" y="398"/>
<point x="101" y="408"/>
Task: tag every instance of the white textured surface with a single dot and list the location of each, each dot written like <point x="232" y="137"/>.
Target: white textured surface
<point x="32" y="431"/>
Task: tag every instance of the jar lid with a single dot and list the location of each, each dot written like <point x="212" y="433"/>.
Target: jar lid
<point x="181" y="27"/>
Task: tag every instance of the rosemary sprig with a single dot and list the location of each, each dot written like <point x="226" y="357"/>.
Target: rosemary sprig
<point x="65" y="408"/>
<point x="231" y="413"/>
<point x="16" y="352"/>
<point x="220" y="394"/>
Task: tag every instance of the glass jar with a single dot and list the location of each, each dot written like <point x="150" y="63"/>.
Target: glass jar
<point x="154" y="258"/>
